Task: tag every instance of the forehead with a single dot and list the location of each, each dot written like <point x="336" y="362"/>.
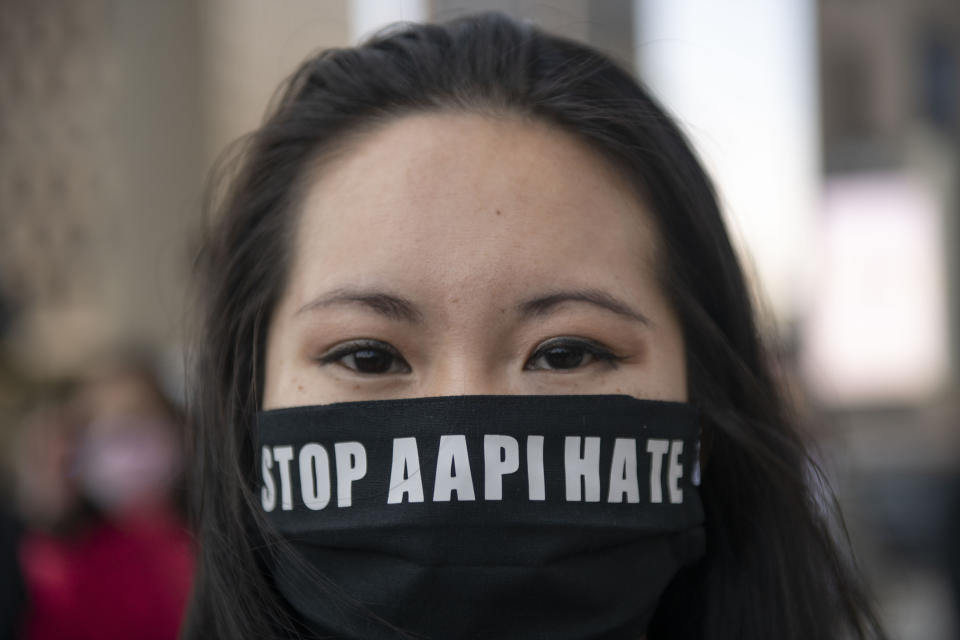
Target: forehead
<point x="461" y="201"/>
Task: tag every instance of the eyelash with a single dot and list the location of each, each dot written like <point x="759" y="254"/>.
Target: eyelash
<point x="356" y="346"/>
<point x="598" y="352"/>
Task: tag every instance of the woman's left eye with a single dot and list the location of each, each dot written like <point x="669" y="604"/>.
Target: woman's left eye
<point x="568" y="355"/>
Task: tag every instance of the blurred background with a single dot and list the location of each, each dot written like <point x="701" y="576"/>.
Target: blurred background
<point x="832" y="129"/>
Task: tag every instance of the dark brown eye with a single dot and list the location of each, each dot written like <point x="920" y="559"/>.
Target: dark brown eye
<point x="371" y="361"/>
<point x="567" y="355"/>
<point x="367" y="357"/>
<point x="564" y="357"/>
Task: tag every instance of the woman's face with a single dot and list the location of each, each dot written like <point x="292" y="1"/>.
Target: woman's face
<point x="459" y="254"/>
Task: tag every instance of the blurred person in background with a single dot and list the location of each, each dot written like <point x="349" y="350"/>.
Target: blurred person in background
<point x="45" y="492"/>
<point x="107" y="555"/>
<point x="44" y="502"/>
<point x="476" y="167"/>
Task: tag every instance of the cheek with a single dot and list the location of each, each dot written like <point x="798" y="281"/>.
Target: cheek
<point x="666" y="383"/>
<point x="671" y="369"/>
<point x="291" y="376"/>
<point x="664" y="375"/>
<point x="662" y="381"/>
<point x="667" y="368"/>
<point x="280" y="377"/>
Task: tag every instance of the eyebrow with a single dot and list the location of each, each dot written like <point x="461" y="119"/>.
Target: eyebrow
<point x="544" y="304"/>
<point x="399" y="308"/>
<point x="390" y="306"/>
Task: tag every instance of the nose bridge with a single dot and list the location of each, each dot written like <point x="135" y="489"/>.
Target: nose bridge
<point x="466" y="344"/>
<point x="457" y="373"/>
<point x="464" y="368"/>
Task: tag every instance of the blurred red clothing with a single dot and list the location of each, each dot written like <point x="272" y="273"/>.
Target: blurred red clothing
<point x="108" y="583"/>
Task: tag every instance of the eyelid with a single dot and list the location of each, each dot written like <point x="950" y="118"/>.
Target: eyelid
<point x="600" y="352"/>
<point x="349" y="347"/>
<point x="343" y="348"/>
<point x="571" y="340"/>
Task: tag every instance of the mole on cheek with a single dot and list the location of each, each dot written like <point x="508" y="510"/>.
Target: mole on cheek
<point x="498" y="212"/>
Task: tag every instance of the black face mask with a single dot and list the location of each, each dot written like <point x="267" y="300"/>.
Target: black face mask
<point x="481" y="516"/>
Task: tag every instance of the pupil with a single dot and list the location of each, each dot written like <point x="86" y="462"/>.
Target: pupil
<point x="372" y="361"/>
<point x="564" y="357"/>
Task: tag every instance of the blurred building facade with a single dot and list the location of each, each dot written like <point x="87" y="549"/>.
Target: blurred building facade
<point x="890" y="96"/>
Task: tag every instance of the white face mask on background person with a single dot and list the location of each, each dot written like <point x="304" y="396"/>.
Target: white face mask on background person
<point x="120" y="467"/>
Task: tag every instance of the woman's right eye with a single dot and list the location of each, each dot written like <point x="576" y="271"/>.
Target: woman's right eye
<point x="368" y="357"/>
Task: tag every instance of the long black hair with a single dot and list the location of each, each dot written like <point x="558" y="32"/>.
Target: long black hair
<point x="774" y="567"/>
